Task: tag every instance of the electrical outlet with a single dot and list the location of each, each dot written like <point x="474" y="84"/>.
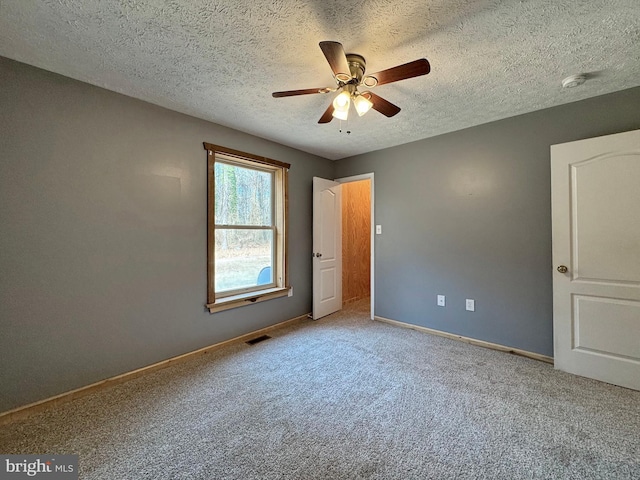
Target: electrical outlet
<point x="441" y="300"/>
<point x="290" y="294"/>
<point x="471" y="305"/>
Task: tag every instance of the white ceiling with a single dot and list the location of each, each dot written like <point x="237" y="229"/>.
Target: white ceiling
<point x="220" y="59"/>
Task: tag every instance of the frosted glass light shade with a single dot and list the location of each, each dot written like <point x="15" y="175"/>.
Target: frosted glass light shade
<point x="341" y="114"/>
<point x="342" y="100"/>
<point x="362" y="104"/>
<point x="341" y="105"/>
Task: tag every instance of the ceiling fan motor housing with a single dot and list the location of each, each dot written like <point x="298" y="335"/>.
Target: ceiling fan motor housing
<point x="357" y="66"/>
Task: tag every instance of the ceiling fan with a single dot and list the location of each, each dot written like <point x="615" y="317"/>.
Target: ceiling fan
<point x="349" y="74"/>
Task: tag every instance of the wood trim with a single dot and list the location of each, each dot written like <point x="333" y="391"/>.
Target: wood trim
<point x="36" y="407"/>
<point x="471" y="341"/>
<point x="285" y="224"/>
<point x="237" y="153"/>
<point x="241" y="300"/>
<point x="281" y="170"/>
<point x="211" y="239"/>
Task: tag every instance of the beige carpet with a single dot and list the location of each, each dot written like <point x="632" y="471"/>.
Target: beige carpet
<point x="346" y="398"/>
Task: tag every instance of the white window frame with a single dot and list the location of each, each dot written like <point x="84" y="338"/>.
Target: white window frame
<point x="218" y="301"/>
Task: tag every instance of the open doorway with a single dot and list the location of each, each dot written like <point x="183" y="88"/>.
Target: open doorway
<point x="357" y="240"/>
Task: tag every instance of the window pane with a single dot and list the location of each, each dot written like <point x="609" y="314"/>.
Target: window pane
<point x="243" y="195"/>
<point x="243" y="258"/>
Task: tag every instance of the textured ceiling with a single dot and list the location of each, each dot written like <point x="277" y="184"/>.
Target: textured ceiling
<point x="220" y="59"/>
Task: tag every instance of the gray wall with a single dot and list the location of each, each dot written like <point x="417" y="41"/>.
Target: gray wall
<point x="103" y="229"/>
<point x="468" y="215"/>
<point x="103" y="234"/>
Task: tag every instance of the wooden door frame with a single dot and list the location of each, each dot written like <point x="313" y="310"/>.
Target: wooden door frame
<point x="357" y="178"/>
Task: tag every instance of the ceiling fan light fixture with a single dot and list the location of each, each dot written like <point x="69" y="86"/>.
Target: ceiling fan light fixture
<point x="341" y="105"/>
<point x="362" y="104"/>
<point x="349" y="73"/>
<point x="340" y="115"/>
<point x="342" y="100"/>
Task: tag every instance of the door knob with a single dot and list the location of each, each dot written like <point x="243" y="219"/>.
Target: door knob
<point x="563" y="269"/>
<point x="318" y="255"/>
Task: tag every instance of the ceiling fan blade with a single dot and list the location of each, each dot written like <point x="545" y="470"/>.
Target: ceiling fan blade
<point x="380" y="104"/>
<point x="306" y="91"/>
<point x="327" y="116"/>
<point x="402" y="72"/>
<point x="337" y="59"/>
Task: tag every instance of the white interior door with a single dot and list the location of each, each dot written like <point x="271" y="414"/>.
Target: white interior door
<point x="595" y="187"/>
<point x="327" y="247"/>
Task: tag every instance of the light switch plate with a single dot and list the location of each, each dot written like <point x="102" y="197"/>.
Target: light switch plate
<point x="441" y="300"/>
<point x="471" y="305"/>
<point x="378" y="229"/>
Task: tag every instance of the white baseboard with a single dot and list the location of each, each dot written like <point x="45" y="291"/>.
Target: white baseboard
<point x="472" y="341"/>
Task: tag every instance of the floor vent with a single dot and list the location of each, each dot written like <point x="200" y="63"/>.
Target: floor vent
<point x="258" y="340"/>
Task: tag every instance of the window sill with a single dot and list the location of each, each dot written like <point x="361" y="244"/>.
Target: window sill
<point x="235" y="301"/>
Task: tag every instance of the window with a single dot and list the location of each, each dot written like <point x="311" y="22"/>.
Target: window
<point x="247" y="216"/>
